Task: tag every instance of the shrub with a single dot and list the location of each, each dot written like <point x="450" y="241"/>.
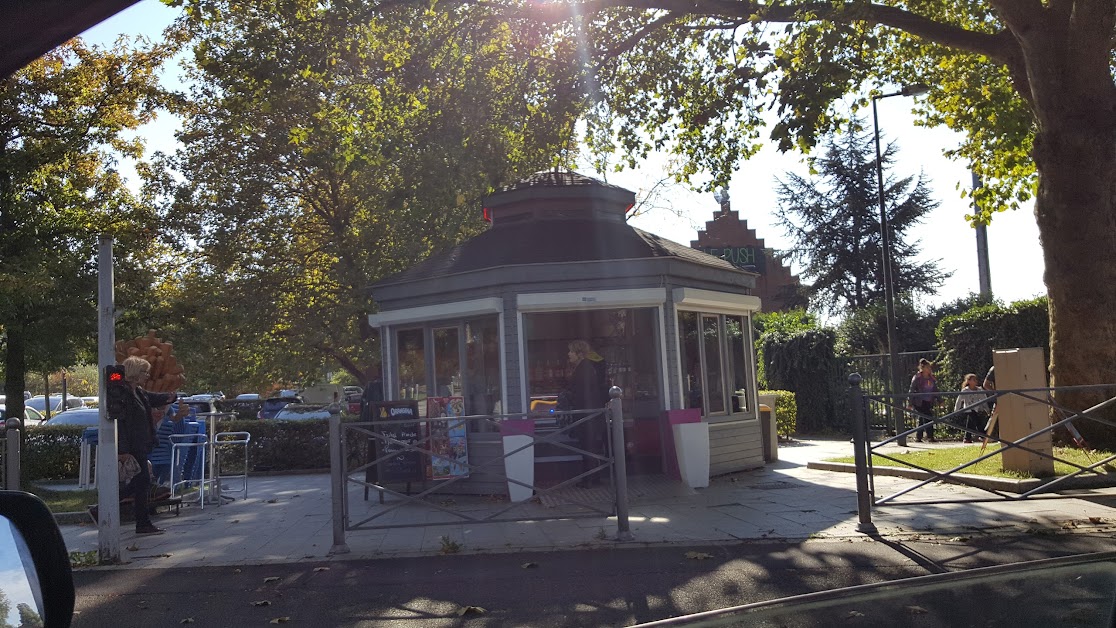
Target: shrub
<point x="785" y="412"/>
<point x="51" y="452"/>
<point x="803" y="362"/>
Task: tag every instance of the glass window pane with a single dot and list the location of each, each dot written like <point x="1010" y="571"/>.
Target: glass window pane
<point x="447" y="362"/>
<point x="714" y="380"/>
<point x="412" y="367"/>
<point x="691" y="360"/>
<point x="739" y="344"/>
<point x="482" y="369"/>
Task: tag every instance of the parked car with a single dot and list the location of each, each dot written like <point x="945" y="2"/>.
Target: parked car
<point x="247" y="397"/>
<point x="38" y="402"/>
<point x="88" y="417"/>
<point x="305" y="411"/>
<point x="91" y="402"/>
<point x="273" y="405"/>
<point x="31" y="416"/>
<point x="201" y="403"/>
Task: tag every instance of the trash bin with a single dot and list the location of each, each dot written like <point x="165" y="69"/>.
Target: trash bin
<point x="691" y="445"/>
<point x="769" y="428"/>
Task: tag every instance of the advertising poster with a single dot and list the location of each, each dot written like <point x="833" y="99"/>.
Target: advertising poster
<point x="405" y="465"/>
<point x="448" y="438"/>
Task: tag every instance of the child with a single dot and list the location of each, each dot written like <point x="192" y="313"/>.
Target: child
<point x="973" y="402"/>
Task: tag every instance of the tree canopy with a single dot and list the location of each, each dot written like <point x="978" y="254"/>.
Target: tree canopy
<point x="833" y="221"/>
<point x="324" y="148"/>
<point x="62" y="123"/>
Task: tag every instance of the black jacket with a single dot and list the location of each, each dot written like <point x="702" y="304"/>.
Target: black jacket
<point x="135" y="430"/>
<point x="589" y="384"/>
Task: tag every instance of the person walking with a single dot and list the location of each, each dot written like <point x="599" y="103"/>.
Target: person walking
<point x="923" y="385"/>
<point x="972" y="403"/>
<point x="136" y="439"/>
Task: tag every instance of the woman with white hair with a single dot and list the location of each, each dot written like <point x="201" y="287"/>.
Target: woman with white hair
<point x="136" y="438"/>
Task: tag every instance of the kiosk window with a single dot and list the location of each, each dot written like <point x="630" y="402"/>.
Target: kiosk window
<point x="715" y="354"/>
<point x="412" y="367"/>
<point x="714" y="373"/>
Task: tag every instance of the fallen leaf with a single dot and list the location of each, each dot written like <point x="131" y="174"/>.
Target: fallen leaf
<point x="281" y="620"/>
<point x="235" y="521"/>
<point x="271" y="579"/>
<point x="1096" y="520"/>
<point x="698" y="555"/>
<point x="187" y="620"/>
<point x="321" y="569"/>
<point x="853" y="614"/>
<point x="529" y="565"/>
<point x="917" y="610"/>
<point x="237" y="570"/>
<point x="959" y="539"/>
<point x="273" y="500"/>
<point x="471" y="610"/>
<point x="262" y="603"/>
<point x="132" y="548"/>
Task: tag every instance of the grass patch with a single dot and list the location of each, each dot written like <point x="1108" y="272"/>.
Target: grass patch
<point x="65" y="501"/>
<point x="945" y="458"/>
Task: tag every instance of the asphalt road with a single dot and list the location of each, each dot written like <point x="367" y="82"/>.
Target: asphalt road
<point x="580" y="588"/>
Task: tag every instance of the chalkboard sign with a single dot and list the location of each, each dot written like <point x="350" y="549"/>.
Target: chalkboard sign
<point x="405" y="465"/>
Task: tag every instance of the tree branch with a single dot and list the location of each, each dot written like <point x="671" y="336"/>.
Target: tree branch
<point x="892" y="17"/>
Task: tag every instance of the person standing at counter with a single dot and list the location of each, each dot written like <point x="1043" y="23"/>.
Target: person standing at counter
<point x="589" y="391"/>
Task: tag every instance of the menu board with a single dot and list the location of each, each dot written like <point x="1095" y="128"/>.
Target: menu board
<point x="406" y="465"/>
<point x="448" y="438"/>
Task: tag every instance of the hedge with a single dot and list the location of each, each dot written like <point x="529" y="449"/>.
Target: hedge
<point x="966" y="341"/>
<point x="50" y="452"/>
<point x="786" y="412"/>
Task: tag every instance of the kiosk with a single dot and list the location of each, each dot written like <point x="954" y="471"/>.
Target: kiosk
<point x="491" y="320"/>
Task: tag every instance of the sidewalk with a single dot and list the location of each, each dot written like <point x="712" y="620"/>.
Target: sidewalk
<point x="287" y="518"/>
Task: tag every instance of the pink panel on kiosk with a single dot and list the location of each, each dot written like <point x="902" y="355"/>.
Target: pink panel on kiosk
<point x="517" y="427"/>
<point x="689" y="415"/>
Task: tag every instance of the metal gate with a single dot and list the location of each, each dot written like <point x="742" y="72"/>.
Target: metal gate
<point x="349" y="471"/>
<point x="865" y="406"/>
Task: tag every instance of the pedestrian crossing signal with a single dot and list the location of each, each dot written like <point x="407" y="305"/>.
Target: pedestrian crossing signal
<point x="115" y="390"/>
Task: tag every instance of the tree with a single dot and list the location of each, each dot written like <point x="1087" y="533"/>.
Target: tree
<point x="1029" y="83"/>
<point x="323" y="150"/>
<point x="834" y="224"/>
<point x="61" y="124"/>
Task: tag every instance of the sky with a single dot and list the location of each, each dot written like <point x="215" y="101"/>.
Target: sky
<point x="1015" y="255"/>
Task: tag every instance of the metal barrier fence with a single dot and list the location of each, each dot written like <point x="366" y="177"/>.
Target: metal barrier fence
<point x="611" y="464"/>
<point x="867" y="405"/>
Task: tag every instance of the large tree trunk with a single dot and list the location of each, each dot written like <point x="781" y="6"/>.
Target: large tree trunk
<point x="1075" y="152"/>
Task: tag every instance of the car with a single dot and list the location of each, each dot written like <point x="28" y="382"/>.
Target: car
<point x="247" y="397"/>
<point x="91" y="402"/>
<point x="273" y="405"/>
<point x="88" y="417"/>
<point x="31" y="416"/>
<point x="38" y="402"/>
<point x="201" y="403"/>
<point x="303" y="412"/>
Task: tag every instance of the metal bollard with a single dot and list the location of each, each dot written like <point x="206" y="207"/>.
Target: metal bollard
<point x="860" y="455"/>
<point x="337" y="485"/>
<point x="619" y="464"/>
<point x="11" y="455"/>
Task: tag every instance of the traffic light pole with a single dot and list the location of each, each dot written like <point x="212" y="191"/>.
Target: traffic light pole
<point x="108" y="491"/>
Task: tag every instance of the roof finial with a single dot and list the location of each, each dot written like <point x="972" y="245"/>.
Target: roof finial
<point x="721" y="195"/>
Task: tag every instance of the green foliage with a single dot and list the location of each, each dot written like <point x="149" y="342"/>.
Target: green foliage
<point x="804" y="362"/>
<point x="327" y="146"/>
<point x="62" y="124"/>
<point x="863" y="331"/>
<point x="786" y="412"/>
<point x="833" y="222"/>
<point x="51" y="452"/>
<point x="785" y="323"/>
<point x="966" y="340"/>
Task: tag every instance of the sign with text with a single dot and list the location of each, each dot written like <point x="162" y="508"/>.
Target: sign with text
<point x="405" y="465"/>
<point x="743" y="257"/>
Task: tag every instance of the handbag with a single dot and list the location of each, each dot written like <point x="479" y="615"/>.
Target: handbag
<point x="127" y="468"/>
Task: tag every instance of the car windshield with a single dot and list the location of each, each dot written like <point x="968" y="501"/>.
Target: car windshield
<point x="271" y="405"/>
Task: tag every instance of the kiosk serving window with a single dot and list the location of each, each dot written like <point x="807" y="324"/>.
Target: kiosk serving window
<point x="452" y="359"/>
<point x="626" y="338"/>
<point x="716" y="360"/>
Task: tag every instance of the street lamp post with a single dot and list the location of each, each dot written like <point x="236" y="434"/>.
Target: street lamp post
<point x="885" y="254"/>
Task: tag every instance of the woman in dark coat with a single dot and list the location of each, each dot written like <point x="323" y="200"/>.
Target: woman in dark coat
<point x="136" y="438"/>
<point x="589" y="391"/>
